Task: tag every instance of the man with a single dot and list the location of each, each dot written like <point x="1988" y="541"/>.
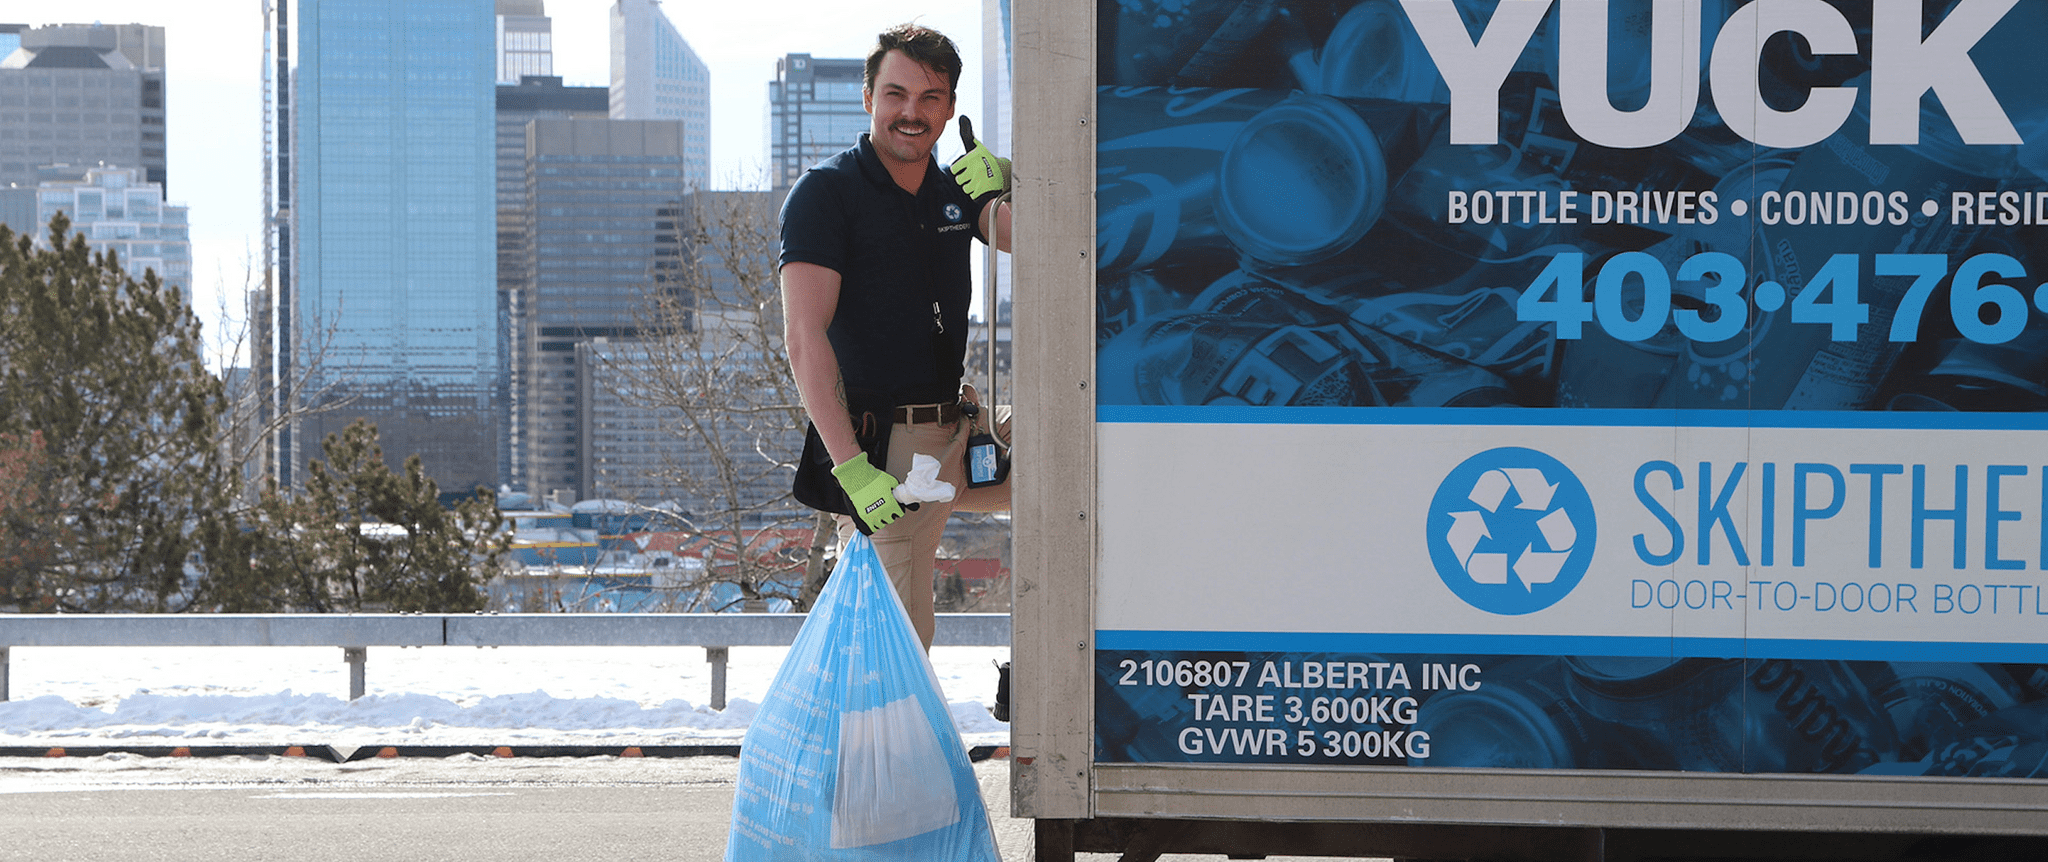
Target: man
<point x="876" y="244"/>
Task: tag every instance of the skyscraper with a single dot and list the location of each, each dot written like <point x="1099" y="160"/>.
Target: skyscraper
<point x="525" y="41"/>
<point x="81" y="94"/>
<point x="536" y="98"/>
<point x="656" y="76"/>
<point x="385" y="300"/>
<point x="604" y="197"/>
<point x="814" y="111"/>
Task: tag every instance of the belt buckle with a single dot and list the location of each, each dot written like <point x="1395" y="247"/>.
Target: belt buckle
<point x="922" y="414"/>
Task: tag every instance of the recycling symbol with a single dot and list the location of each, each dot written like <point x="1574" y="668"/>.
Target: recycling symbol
<point x="1511" y="531"/>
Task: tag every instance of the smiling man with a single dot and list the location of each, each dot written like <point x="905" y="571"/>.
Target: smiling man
<point x="876" y="244"/>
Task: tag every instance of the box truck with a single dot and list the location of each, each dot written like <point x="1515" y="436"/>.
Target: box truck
<point x="1531" y="429"/>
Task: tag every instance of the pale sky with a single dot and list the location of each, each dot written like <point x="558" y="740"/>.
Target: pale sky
<point x="214" y="50"/>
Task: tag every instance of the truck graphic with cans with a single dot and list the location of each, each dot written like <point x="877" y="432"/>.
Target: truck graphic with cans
<point x="1537" y="429"/>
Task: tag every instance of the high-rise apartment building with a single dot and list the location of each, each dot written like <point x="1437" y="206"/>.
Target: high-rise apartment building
<point x="525" y="41"/>
<point x="814" y="111"/>
<point x="384" y="304"/>
<point x="604" y="197"/>
<point x="116" y="210"/>
<point x="81" y="94"/>
<point x="536" y="98"/>
<point x="657" y="76"/>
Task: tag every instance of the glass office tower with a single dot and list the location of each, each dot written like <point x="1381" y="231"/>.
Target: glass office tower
<point x="814" y="111"/>
<point x="391" y="310"/>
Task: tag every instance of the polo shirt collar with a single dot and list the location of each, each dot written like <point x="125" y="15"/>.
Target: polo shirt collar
<point x="871" y="166"/>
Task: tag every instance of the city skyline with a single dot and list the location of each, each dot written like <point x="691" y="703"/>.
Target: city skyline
<point x="214" y="99"/>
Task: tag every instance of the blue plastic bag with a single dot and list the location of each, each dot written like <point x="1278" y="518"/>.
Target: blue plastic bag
<point x="853" y="755"/>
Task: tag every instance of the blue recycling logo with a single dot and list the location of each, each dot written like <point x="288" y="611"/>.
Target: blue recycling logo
<point x="1511" y="531"/>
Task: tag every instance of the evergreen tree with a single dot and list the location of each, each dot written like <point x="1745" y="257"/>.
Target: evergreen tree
<point x="360" y="537"/>
<point x="393" y="544"/>
<point x="108" y="422"/>
<point x="116" y="493"/>
<point x="259" y="560"/>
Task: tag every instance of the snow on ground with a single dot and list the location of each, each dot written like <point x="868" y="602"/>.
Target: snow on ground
<point x="433" y="696"/>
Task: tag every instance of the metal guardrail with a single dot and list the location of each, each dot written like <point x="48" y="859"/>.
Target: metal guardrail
<point x="356" y="633"/>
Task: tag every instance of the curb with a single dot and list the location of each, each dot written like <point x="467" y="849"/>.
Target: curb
<point x="390" y="752"/>
<point x="349" y="754"/>
<point x="317" y="752"/>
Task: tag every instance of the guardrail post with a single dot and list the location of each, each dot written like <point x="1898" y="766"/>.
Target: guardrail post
<point x="355" y="656"/>
<point x="3" y="674"/>
<point x="717" y="656"/>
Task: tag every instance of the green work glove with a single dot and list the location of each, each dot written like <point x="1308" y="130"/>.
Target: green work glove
<point x="871" y="490"/>
<point x="980" y="174"/>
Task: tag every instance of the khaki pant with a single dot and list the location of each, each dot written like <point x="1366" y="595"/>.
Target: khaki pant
<point x="909" y="547"/>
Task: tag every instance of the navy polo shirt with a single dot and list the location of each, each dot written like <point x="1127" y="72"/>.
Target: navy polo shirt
<point x="898" y="257"/>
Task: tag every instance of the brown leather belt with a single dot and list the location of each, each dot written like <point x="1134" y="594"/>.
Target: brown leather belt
<point x="927" y="414"/>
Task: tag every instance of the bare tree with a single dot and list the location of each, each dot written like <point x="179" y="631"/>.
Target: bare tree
<point x="264" y="399"/>
<point x="712" y="364"/>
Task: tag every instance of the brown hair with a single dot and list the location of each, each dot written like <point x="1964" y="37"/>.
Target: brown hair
<point x="924" y="45"/>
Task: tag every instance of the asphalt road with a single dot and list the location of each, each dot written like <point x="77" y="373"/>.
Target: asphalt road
<point x="463" y="809"/>
<point x="458" y="823"/>
<point x="454" y="810"/>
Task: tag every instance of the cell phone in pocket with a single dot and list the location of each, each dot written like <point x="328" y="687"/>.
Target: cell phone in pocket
<point x="988" y="463"/>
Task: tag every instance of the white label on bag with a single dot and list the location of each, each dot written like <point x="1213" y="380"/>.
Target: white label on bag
<point x="893" y="780"/>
